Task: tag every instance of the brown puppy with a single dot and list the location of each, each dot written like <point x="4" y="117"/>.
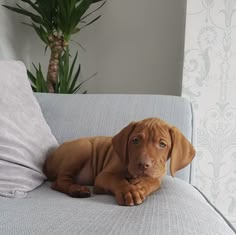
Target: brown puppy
<point x="129" y="165"/>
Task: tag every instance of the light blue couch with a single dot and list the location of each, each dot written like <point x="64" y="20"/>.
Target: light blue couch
<point x="176" y="209"/>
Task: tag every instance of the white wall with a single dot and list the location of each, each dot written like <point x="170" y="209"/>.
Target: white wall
<point x="136" y="47"/>
<point x="209" y="82"/>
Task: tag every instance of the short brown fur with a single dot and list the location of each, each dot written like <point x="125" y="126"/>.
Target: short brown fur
<point x="129" y="165"/>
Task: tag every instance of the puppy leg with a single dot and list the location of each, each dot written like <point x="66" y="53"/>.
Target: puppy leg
<point x="65" y="184"/>
<point x="126" y="193"/>
<point x="65" y="163"/>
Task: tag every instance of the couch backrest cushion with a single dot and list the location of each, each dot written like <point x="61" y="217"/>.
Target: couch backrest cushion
<point x="74" y="116"/>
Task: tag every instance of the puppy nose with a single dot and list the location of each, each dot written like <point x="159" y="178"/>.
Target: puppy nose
<point x="144" y="164"/>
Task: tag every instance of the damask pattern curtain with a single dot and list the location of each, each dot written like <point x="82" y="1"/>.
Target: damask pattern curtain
<point x="209" y="82"/>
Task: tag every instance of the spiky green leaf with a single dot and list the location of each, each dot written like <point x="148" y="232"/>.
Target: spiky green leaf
<point x="41" y="33"/>
<point x="74" y="80"/>
<point x="31" y="77"/>
<point x="92" y="21"/>
<point x="82" y="18"/>
<point x="35" y="18"/>
<point x="76" y="89"/>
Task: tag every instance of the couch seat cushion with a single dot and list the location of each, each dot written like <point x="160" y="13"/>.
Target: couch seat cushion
<point x="177" y="208"/>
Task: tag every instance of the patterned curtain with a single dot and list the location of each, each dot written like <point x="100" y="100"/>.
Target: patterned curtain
<point x="209" y="81"/>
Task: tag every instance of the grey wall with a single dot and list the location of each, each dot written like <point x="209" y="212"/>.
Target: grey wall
<point x="136" y="47"/>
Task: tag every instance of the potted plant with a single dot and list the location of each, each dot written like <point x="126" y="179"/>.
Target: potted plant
<point x="55" y="22"/>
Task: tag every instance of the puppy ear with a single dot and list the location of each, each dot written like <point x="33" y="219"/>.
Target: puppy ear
<point x="182" y="152"/>
<point x="120" y="142"/>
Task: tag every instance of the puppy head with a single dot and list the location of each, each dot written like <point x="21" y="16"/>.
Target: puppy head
<point x="145" y="146"/>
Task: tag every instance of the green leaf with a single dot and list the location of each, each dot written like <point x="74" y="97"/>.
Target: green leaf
<point x="35" y="18"/>
<point x="66" y="62"/>
<point x="91" y="22"/>
<point x="43" y="81"/>
<point x="75" y="78"/>
<point x="41" y="33"/>
<point x="76" y="30"/>
<point x="33" y="88"/>
<point x="83" y="7"/>
<point x="72" y="69"/>
<point x="57" y="18"/>
<point x="94" y="1"/>
<point x="93" y="11"/>
<point x="79" y="86"/>
<point x="31" y="77"/>
<point x="40" y="83"/>
<point x="33" y="5"/>
<point x="61" y="77"/>
<point x="45" y="50"/>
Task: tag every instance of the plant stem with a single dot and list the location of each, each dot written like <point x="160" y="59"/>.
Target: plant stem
<point x="57" y="44"/>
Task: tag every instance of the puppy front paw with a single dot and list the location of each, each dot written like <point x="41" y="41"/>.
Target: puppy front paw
<point x="129" y="195"/>
<point x="138" y="182"/>
<point x="146" y="184"/>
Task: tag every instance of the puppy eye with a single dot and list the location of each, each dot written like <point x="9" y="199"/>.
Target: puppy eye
<point x="135" y="140"/>
<point x="162" y="144"/>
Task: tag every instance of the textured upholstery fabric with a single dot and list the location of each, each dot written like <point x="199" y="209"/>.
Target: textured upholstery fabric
<point x="75" y="116"/>
<point x="176" y="209"/>
<point x="25" y="137"/>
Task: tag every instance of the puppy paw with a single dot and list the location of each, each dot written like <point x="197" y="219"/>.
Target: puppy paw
<point x="129" y="196"/>
<point x="78" y="191"/>
<point x="146" y="184"/>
